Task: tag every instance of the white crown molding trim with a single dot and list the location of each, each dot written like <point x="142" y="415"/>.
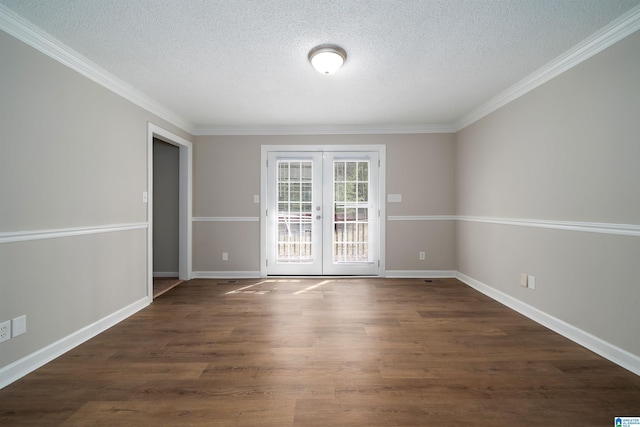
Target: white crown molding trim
<point x="225" y="219"/>
<point x="22" y="236"/>
<point x="25" y="31"/>
<point x="325" y="130"/>
<point x="422" y="218"/>
<point x="602" y="39"/>
<point x="605" y="349"/>
<point x="226" y="274"/>
<point x="589" y="227"/>
<point x="426" y="274"/>
<point x="33" y="361"/>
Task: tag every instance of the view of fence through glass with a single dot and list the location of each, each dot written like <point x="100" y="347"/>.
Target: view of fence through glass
<point x="351" y="211"/>
<point x="295" y="211"/>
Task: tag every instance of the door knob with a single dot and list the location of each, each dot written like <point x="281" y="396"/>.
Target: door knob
<point x="318" y="217"/>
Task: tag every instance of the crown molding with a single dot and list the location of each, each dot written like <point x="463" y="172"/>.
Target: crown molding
<point x="618" y="29"/>
<point x="25" y="31"/>
<point x="325" y="130"/>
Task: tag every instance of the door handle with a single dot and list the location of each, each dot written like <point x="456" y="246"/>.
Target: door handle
<point x="318" y="217"/>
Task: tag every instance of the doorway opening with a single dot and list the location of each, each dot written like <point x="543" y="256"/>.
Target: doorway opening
<point x="166" y="203"/>
<point x="184" y="205"/>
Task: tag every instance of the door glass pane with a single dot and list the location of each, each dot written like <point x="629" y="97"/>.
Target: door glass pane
<point x="351" y="211"/>
<point x="294" y="236"/>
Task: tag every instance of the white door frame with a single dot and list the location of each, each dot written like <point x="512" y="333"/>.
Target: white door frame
<point x="185" y="201"/>
<point x="265" y="149"/>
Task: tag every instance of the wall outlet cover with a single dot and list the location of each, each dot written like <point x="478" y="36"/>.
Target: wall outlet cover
<point x="18" y="326"/>
<point x="531" y="282"/>
<point x="5" y="331"/>
<point x="523" y="280"/>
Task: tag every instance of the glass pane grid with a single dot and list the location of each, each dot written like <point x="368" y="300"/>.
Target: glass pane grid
<point x="294" y="236"/>
<point x="351" y="211"/>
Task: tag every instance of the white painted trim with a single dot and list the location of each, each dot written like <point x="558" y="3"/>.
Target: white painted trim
<point x="22" y="236"/>
<point x="381" y="149"/>
<point x="427" y="274"/>
<point x="169" y="274"/>
<point x="226" y="274"/>
<point x="321" y="148"/>
<point x="44" y="42"/>
<point x="602" y="39"/>
<point x="422" y="218"/>
<point x="589" y="227"/>
<point x="33" y="361"/>
<point x="225" y="219"/>
<point x="605" y="349"/>
<point x="185" y="226"/>
<point x="327" y="130"/>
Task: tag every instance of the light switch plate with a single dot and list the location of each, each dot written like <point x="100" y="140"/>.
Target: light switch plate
<point x="394" y="198"/>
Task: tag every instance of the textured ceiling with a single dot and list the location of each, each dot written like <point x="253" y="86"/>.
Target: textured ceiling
<point x="243" y="63"/>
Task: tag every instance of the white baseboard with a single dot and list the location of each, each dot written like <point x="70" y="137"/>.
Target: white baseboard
<point x="621" y="357"/>
<point x="226" y="274"/>
<point x="166" y="274"/>
<point x="427" y="274"/>
<point x="605" y="349"/>
<point x="33" y="361"/>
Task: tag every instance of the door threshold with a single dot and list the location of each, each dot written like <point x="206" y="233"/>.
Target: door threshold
<point x="298" y="276"/>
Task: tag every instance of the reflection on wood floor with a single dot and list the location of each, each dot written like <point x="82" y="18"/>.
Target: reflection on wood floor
<point x="324" y="352"/>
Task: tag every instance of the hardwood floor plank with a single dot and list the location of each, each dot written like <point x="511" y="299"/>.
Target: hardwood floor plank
<point x="324" y="352"/>
<point x="208" y="412"/>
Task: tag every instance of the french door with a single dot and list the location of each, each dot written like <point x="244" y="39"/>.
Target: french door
<point x="322" y="213"/>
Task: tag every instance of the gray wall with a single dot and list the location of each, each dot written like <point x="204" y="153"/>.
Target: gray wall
<point x="166" y="168"/>
<point x="74" y="155"/>
<point x="567" y="151"/>
<point x="227" y="175"/>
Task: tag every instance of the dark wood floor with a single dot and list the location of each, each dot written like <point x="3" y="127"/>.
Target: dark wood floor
<point x="164" y="284"/>
<point x="375" y="352"/>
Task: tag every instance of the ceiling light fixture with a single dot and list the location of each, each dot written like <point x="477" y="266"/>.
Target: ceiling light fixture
<point x="327" y="58"/>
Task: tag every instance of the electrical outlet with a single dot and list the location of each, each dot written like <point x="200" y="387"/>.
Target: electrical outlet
<point x="225" y="256"/>
<point x="5" y="331"/>
<point x="421" y="256"/>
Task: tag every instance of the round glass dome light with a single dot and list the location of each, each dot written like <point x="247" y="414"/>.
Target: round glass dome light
<point x="326" y="59"/>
